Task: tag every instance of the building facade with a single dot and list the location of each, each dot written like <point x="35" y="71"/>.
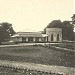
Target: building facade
<point x="52" y="35"/>
<point x="29" y="37"/>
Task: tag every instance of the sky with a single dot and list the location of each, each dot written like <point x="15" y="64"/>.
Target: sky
<point x="34" y="14"/>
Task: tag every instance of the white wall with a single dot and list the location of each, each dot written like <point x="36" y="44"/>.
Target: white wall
<point x="54" y="31"/>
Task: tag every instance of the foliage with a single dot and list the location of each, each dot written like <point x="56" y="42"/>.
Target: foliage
<point x="67" y="30"/>
<point x="6" y="30"/>
<point x="55" y="24"/>
<point x="44" y="31"/>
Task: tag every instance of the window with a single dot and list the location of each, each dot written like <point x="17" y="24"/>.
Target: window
<point x="57" y="37"/>
<point x="51" y="37"/>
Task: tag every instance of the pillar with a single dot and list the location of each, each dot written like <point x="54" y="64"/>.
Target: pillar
<point x="20" y="39"/>
<point x="54" y="37"/>
<point x="27" y="39"/>
<point x="39" y="39"/>
<point x="46" y="39"/>
<point x="49" y="38"/>
<point x="34" y="39"/>
<point x="60" y="37"/>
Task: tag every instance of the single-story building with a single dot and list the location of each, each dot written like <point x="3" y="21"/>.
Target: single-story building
<point x="29" y="37"/>
<point x="52" y="35"/>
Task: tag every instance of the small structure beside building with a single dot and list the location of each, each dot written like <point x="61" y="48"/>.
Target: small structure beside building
<point x="52" y="35"/>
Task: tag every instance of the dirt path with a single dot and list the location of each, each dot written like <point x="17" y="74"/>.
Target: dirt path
<point x="33" y="66"/>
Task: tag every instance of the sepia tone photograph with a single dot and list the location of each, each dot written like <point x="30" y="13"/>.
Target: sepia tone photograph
<point x="37" y="37"/>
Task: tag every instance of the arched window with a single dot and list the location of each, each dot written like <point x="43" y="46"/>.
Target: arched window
<point x="51" y="37"/>
<point x="57" y="37"/>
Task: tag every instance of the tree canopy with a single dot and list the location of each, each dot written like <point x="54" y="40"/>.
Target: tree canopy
<point x="67" y="28"/>
<point x="55" y="24"/>
<point x="6" y="30"/>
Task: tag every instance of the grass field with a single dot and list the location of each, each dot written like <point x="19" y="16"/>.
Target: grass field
<point x="38" y="54"/>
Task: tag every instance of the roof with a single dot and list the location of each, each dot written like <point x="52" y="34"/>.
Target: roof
<point x="28" y="34"/>
<point x="44" y="35"/>
<point x="15" y="35"/>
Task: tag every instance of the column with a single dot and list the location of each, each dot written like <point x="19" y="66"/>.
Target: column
<point x="15" y="39"/>
<point x="46" y="39"/>
<point x="60" y="37"/>
<point x="39" y="39"/>
<point x="54" y="37"/>
<point x="27" y="39"/>
<point x="34" y="39"/>
<point x="49" y="38"/>
<point x="20" y="39"/>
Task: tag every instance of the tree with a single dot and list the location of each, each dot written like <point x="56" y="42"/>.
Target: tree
<point x="53" y="24"/>
<point x="44" y="31"/>
<point x="6" y="30"/>
<point x="67" y="28"/>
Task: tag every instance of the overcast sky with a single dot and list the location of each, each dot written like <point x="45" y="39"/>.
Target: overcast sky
<point x="34" y="14"/>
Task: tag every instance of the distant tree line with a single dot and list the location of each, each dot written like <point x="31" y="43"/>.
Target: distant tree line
<point x="6" y="31"/>
<point x="67" y="28"/>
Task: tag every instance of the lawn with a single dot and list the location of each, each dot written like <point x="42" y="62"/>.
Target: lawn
<point x="38" y="54"/>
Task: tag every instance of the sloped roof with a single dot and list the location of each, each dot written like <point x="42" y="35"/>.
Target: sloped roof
<point x="44" y="35"/>
<point x="28" y="34"/>
<point x="15" y="35"/>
